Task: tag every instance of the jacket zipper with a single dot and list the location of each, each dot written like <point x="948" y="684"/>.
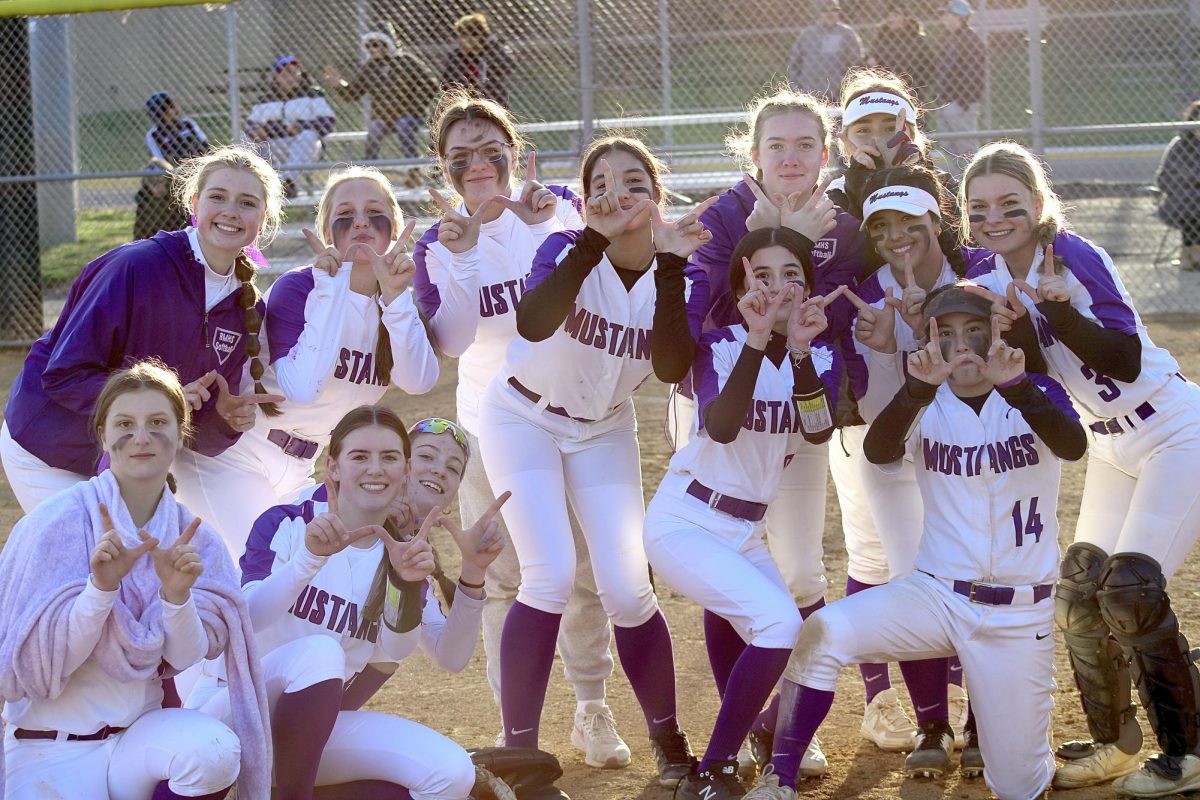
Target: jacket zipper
<point x="206" y="347"/>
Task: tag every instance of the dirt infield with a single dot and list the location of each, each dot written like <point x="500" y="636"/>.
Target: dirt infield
<point x="461" y="706"/>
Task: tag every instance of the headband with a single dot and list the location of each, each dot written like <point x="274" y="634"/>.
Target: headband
<point x="908" y="199"/>
<point x="877" y="103"/>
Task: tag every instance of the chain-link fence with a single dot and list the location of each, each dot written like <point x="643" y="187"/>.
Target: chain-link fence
<point x="1094" y="85"/>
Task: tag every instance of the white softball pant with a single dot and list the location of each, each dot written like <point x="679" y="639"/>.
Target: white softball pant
<point x="1007" y="653"/>
<point x="364" y="745"/>
<point x="584" y="636"/>
<point x="795" y="519"/>
<point x="545" y="459"/>
<point x="32" y="480"/>
<point x="195" y="753"/>
<point x="230" y="491"/>
<point x="721" y="563"/>
<point x="882" y="514"/>
<point x="1140" y="495"/>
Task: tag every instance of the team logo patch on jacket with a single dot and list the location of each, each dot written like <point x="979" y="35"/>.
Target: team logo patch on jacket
<point x="225" y="342"/>
<point x="823" y="250"/>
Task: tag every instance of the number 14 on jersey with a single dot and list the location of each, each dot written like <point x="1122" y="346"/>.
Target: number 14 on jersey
<point x="1027" y="525"/>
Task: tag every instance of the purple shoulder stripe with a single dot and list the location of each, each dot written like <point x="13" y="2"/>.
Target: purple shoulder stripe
<point x="285" y="311"/>
<point x="831" y="377"/>
<point x="697" y="304"/>
<point x="566" y="194"/>
<point x="1091" y="267"/>
<point x="257" y="560"/>
<point x="549" y="255"/>
<point x="704" y="375"/>
<point x="981" y="264"/>
<point x="1057" y="394"/>
<point x="429" y="300"/>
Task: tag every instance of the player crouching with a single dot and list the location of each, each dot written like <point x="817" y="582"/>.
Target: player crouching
<point x="987" y="561"/>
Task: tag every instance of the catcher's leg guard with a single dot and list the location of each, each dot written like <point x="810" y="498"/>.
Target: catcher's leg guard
<point x="1134" y="603"/>
<point x="1100" y="668"/>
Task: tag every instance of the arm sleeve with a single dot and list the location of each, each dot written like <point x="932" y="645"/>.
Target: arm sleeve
<point x="448" y="293"/>
<point x="414" y="364"/>
<point x="890" y="430"/>
<point x="723" y="417"/>
<point x="1060" y="430"/>
<point x="271" y="579"/>
<point x="1113" y="353"/>
<point x="1023" y="336"/>
<point x="672" y="347"/>
<point x="184" y="640"/>
<point x="304" y="320"/>
<point x="813" y="400"/>
<point x="85" y="623"/>
<point x="545" y="306"/>
<point x="450" y="640"/>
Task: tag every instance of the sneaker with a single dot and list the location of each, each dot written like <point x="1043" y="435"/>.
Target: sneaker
<point x="931" y="756"/>
<point x="971" y="762"/>
<point x="673" y="755"/>
<point x="760" y="747"/>
<point x="813" y="765"/>
<point x="595" y="735"/>
<point x="718" y="782"/>
<point x="747" y="763"/>
<point x="500" y="738"/>
<point x="1100" y="763"/>
<point x="1160" y="776"/>
<point x="886" y="724"/>
<point x="956" y="712"/>
<point x="768" y="788"/>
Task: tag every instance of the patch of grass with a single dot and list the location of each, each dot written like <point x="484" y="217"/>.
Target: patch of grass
<point x="99" y="230"/>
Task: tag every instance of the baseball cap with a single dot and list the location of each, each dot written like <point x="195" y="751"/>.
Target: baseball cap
<point x="157" y="103"/>
<point x="908" y="199"/>
<point x="954" y="299"/>
<point x="284" y="61"/>
<point x="960" y="7"/>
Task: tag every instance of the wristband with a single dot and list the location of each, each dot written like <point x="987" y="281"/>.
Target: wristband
<point x="1011" y="383"/>
<point x="466" y="585"/>
<point x="798" y="354"/>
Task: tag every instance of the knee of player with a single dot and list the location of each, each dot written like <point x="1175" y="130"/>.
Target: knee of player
<point x="1133" y="597"/>
<point x="322" y="659"/>
<point x="213" y="757"/>
<point x="452" y="778"/>
<point x="1076" y="608"/>
<point x="1018" y="785"/>
<point x="813" y="656"/>
<point x="780" y="629"/>
<point x="630" y="609"/>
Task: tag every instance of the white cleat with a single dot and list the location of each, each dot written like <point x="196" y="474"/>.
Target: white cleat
<point x="768" y="788"/>
<point x="747" y="763"/>
<point x="813" y="765"/>
<point x="1160" y="776"/>
<point x="1103" y="764"/>
<point x="595" y="735"/>
<point x="886" y="725"/>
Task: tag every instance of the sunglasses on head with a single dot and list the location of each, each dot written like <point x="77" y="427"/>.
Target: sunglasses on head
<point x="437" y="425"/>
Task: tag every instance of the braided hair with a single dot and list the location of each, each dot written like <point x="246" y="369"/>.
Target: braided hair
<point x="950" y="238"/>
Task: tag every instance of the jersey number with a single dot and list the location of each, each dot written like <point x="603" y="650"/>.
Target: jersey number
<point x="1108" y="390"/>
<point x="1027" y="527"/>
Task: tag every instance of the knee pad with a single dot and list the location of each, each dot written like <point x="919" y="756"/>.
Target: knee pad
<point x="1135" y="605"/>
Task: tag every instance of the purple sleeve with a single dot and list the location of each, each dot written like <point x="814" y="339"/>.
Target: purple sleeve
<point x="697" y="299"/>
<point x="726" y="220"/>
<point x="832" y="376"/>
<point x="1055" y="392"/>
<point x="548" y="255"/>
<point x="705" y="380"/>
<point x="285" y="311"/>
<point x="566" y="194"/>
<point x="259" y="557"/>
<point x="429" y="300"/>
<point x="1094" y="270"/>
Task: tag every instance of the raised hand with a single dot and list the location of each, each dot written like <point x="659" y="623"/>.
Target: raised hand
<point x="1003" y="363"/>
<point x="1052" y="283"/>
<point x="813" y="216"/>
<point x="911" y="299"/>
<point x="876" y="327"/>
<point x="604" y="212"/>
<point x="898" y="148"/>
<point x="111" y="560"/>
<point x="928" y="365"/>
<point x="456" y="232"/>
<point x="177" y="566"/>
<point x="413" y="560"/>
<point x="1007" y="309"/>
<point x="327" y="535"/>
<point x="394" y="269"/>
<point x="759" y="309"/>
<point x="766" y="211"/>
<point x="537" y="203"/>
<point x="238" y="410"/>
<point x="808" y="319"/>
<point x="479" y="544"/>
<point x="327" y="257"/>
<point x="197" y="392"/>
<point x="685" y="235"/>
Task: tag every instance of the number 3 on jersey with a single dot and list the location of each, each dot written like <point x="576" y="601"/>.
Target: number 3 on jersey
<point x="1027" y="526"/>
<point x="1108" y="390"/>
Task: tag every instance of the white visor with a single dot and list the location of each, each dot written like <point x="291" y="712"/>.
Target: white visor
<point x="877" y="103"/>
<point x="908" y="199"/>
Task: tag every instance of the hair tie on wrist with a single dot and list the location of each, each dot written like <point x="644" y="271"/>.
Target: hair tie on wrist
<point x="466" y="585"/>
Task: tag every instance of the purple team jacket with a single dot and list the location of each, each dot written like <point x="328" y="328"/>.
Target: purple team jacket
<point x="140" y="300"/>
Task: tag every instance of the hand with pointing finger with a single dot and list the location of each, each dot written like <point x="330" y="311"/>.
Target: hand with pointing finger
<point x="605" y="214"/>
<point x="197" y="392"/>
<point x="929" y="366"/>
<point x="177" y="566"/>
<point x="1007" y="309"/>
<point x="327" y="534"/>
<point x="459" y="233"/>
<point x="239" y="410"/>
<point x="759" y="308"/>
<point x="413" y="560"/>
<point x="394" y="269"/>
<point x="876" y="327"/>
<point x="327" y="258"/>
<point x="479" y="544"/>
<point x="911" y="299"/>
<point x="1004" y="363"/>
<point x="807" y="320"/>
<point x="537" y="203"/>
<point x="766" y="212"/>
<point x="1052" y="284"/>
<point x="812" y="217"/>
<point x="110" y="559"/>
<point x="685" y="235"/>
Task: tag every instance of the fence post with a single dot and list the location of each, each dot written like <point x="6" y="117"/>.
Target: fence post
<point x="55" y="126"/>
<point x="1033" y="9"/>
<point x="986" y="118"/>
<point x="664" y="41"/>
<point x="586" y="87"/>
<point x="20" y="261"/>
<point x="235" y="81"/>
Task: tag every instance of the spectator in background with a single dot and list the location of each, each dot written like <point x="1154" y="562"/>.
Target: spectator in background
<point x="960" y="76"/>
<point x="172" y="137"/>
<point x="157" y="208"/>
<point x="290" y="120"/>
<point x="902" y="48"/>
<point x="1178" y="178"/>
<point x="401" y="86"/>
<point x="480" y="63"/>
<point x="824" y="52"/>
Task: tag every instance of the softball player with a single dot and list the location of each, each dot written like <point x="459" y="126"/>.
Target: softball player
<point x="704" y="532"/>
<point x="331" y="590"/>
<point x="985" y="569"/>
<point x="95" y="615"/>
<point x="338" y="332"/>
<point x="200" y="280"/>
<point x="1132" y="535"/>
<point x="471" y="271"/>
<point x="604" y="308"/>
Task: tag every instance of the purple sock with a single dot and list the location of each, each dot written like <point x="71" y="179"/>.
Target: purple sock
<point x="362" y="687"/>
<point x="526" y="656"/>
<point x="362" y="790"/>
<point x="768" y="717"/>
<point x="724" y="646"/>
<point x="954" y="666"/>
<point x="162" y="792"/>
<point x="803" y="711"/>
<point x="808" y="611"/>
<point x="926" y="681"/>
<point x="649" y="663"/>
<point x="875" y="676"/>
<point x="300" y="728"/>
<point x="753" y="678"/>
